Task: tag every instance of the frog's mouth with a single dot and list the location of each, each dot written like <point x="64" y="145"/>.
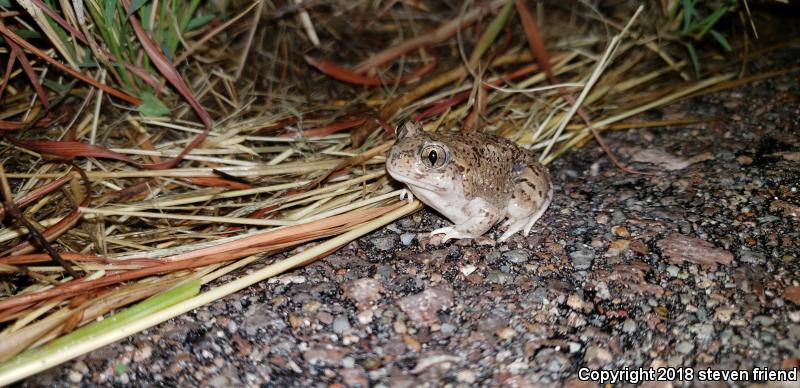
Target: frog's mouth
<point x="413" y="182"/>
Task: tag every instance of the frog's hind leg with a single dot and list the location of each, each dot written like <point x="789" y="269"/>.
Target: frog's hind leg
<point x="481" y="216"/>
<point x="530" y="199"/>
<point x="540" y="211"/>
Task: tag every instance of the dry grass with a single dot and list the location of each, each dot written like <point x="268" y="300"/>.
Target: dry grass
<point x="294" y="157"/>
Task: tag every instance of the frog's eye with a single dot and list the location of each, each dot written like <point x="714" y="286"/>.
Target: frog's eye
<point x="433" y="156"/>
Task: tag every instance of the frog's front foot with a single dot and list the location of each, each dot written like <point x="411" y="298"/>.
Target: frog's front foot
<point x="406" y="193"/>
<point x="450" y="232"/>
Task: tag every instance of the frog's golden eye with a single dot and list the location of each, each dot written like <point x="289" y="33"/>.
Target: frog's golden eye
<point x="433" y="155"/>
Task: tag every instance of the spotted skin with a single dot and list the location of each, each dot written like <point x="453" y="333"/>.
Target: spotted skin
<point x="474" y="180"/>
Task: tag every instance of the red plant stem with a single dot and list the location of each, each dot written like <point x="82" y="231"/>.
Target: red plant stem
<point x="41" y="54"/>
<point x="333" y="70"/>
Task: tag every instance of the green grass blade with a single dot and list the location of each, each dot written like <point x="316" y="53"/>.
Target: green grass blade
<point x="721" y="39"/>
<point x="491" y="32"/>
<point x="694" y="58"/>
<point x="142" y="309"/>
<point x="709" y="22"/>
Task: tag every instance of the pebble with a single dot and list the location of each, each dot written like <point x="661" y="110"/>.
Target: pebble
<point x="673" y="270"/>
<point x="629" y="326"/>
<point x="703" y="332"/>
<point x="792" y="293"/>
<point x="407" y="238"/>
<point x="422" y="308"/>
<point x="219" y="381"/>
<point x="582" y="258"/>
<point x="447" y="329"/>
<point x="763" y="320"/>
<point x="751" y="257"/>
<point x="684" y="347"/>
<point x="364" y="292"/>
<point x="384" y="243"/>
<point x="620" y="231"/>
<point x="498" y="277"/>
<point x="517" y="256"/>
<point x="75" y="376"/>
<point x="595" y="353"/>
<point x="575" y="302"/>
<point x="506" y="333"/>
<point x="80" y="366"/>
<point x="466" y="376"/>
<point x="724" y="314"/>
<point x="354" y="377"/>
<point x="341" y="324"/>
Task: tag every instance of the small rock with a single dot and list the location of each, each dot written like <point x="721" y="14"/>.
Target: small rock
<point x="744" y="160"/>
<point x="81" y="367"/>
<point x="325" y="317"/>
<point x="673" y="270"/>
<point x="595" y="353"/>
<point x="792" y="293"/>
<point x="582" y="258"/>
<point x="448" y="329"/>
<point x="75" y="376"/>
<point x="703" y="332"/>
<point x="724" y="313"/>
<point x="629" y="326"/>
<point x="439" y="361"/>
<point x="364" y="292"/>
<point x="467" y="269"/>
<point x="748" y="256"/>
<point x="423" y="307"/>
<point x="620" y="231"/>
<point x="407" y="238"/>
<point x="498" y="277"/>
<point x="354" y="377"/>
<point x="219" y="381"/>
<point x="466" y="376"/>
<point x="575" y="302"/>
<point x="617" y="247"/>
<point x="763" y="320"/>
<point x="384" y="243"/>
<point x="327" y="356"/>
<point x="684" y="347"/>
<point x="517" y="256"/>
<point x="506" y="333"/>
<point x="341" y="324"/>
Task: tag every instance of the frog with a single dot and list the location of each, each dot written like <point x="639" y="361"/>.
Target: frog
<point x="475" y="180"/>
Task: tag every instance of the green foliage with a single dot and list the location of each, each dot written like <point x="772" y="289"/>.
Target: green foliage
<point x="151" y="105"/>
<point x="165" y="21"/>
<point x="698" y="19"/>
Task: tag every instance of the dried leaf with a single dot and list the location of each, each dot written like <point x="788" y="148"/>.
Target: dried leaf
<point x="668" y="161"/>
<point x="679" y="248"/>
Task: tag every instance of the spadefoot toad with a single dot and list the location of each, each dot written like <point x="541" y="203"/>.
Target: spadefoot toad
<point x="474" y="180"/>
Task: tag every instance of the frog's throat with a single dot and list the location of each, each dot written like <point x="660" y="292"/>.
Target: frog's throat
<point x="413" y="182"/>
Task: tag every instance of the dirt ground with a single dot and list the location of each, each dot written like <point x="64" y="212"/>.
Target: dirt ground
<point x="694" y="269"/>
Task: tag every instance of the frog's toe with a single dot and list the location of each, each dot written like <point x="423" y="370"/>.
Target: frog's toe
<point x="513" y="227"/>
<point x="451" y="233"/>
<point x="406" y="193"/>
<point x="448" y="232"/>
